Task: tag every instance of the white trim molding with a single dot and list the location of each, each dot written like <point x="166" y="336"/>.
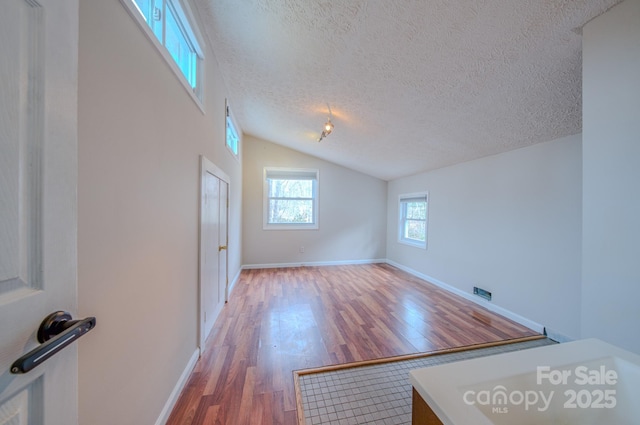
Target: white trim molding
<point x="557" y="336"/>
<point x="182" y="381"/>
<point x="309" y="174"/>
<point x="403" y="199"/>
<point x="489" y="306"/>
<point x="312" y="264"/>
<point x="209" y="168"/>
<point x="233" y="283"/>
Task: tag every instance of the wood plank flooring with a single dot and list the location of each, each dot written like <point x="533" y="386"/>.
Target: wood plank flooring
<point x="281" y="320"/>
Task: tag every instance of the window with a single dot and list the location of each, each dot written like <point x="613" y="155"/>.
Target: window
<point x="290" y="198"/>
<point x="413" y="219"/>
<point x="167" y="24"/>
<point x="232" y="139"/>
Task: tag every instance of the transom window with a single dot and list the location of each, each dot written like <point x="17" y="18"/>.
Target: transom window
<point x="232" y="139"/>
<point x="290" y="198"/>
<point x="413" y="219"/>
<point x="168" y="25"/>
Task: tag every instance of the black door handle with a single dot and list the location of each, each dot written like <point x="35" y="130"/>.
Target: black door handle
<point x="56" y="331"/>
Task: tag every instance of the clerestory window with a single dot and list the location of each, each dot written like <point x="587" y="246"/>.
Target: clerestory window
<point x="170" y="26"/>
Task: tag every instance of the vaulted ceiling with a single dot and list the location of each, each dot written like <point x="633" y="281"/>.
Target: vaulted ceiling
<point x="413" y="85"/>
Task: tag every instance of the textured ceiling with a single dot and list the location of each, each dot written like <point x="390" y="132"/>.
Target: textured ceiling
<point x="412" y="85"/>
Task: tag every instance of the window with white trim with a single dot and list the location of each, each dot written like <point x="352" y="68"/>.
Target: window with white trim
<point x="413" y="219"/>
<point x="232" y="139"/>
<point x="290" y="198"/>
<point x="170" y="26"/>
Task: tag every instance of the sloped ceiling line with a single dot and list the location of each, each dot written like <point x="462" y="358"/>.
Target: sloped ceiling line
<point x="414" y="85"/>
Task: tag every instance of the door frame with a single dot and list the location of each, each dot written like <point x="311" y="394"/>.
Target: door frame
<point x="208" y="167"/>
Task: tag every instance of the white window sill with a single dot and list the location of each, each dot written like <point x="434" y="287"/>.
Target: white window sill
<point x="417" y="244"/>
<point x="290" y="227"/>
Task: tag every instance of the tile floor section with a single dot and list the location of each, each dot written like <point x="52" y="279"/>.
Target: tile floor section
<point x="378" y="394"/>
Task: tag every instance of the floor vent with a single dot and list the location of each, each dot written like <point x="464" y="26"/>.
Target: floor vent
<point x="482" y="293"/>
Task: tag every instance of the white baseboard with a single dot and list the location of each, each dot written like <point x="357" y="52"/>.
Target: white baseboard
<point x="312" y="264"/>
<point x="173" y="398"/>
<point x="558" y="336"/>
<point x="489" y="306"/>
<point x="233" y="282"/>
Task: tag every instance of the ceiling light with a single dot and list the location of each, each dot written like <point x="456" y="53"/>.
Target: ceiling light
<point x="328" y="126"/>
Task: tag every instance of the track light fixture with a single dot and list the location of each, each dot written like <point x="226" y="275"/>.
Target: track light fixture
<point x="328" y="126"/>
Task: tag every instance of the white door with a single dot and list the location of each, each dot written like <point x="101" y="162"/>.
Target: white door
<point x="38" y="226"/>
<point x="223" y="205"/>
<point x="210" y="236"/>
<point x="213" y="245"/>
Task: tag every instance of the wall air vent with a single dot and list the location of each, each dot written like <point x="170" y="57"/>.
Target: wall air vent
<point x="482" y="293"/>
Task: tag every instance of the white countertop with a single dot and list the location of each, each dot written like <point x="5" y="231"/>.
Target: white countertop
<point x="452" y="390"/>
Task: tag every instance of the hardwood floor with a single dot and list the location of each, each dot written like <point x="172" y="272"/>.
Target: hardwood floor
<point x="281" y="320"/>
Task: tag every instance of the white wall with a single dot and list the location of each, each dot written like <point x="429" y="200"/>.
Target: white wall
<point x="352" y="212"/>
<point x="611" y="150"/>
<point x="140" y="136"/>
<point x="509" y="223"/>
